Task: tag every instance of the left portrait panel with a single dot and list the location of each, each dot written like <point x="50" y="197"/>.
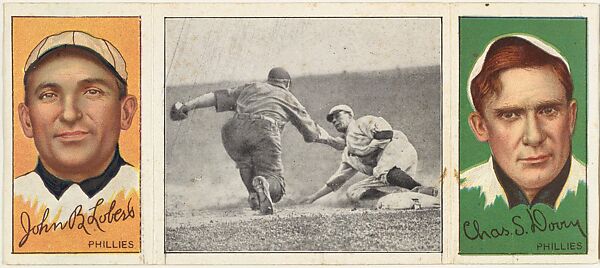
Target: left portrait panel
<point x="76" y="154"/>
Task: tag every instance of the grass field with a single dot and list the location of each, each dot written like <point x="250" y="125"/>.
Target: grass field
<point x="306" y="228"/>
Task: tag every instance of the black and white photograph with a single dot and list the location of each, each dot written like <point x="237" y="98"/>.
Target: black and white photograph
<point x="303" y="134"/>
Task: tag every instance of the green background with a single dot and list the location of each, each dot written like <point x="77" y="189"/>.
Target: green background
<point x="568" y="36"/>
<point x="530" y="241"/>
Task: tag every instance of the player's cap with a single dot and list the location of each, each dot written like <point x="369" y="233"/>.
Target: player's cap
<point x="339" y="108"/>
<point x="541" y="44"/>
<point x="101" y="48"/>
<point x="278" y="74"/>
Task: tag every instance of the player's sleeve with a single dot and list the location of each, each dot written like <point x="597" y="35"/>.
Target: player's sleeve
<point x="378" y="130"/>
<point x="227" y="98"/>
<point x="341" y="176"/>
<point x="300" y="118"/>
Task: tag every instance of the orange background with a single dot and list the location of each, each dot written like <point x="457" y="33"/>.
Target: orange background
<point x="27" y="32"/>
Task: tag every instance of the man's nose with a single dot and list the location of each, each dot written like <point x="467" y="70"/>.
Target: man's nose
<point x="71" y="110"/>
<point x="533" y="134"/>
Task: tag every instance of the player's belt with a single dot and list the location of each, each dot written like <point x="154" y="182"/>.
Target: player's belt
<point x="249" y="116"/>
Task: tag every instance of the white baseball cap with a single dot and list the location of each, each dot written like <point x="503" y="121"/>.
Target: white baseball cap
<point x="541" y="44"/>
<point x="102" y="48"/>
<point x="339" y="108"/>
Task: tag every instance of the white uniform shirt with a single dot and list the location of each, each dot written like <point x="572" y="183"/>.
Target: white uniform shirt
<point x="32" y="190"/>
<point x="396" y="152"/>
<point x="365" y="154"/>
<point x="484" y="176"/>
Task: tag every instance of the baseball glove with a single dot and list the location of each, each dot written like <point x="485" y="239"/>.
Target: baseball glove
<point x="178" y="112"/>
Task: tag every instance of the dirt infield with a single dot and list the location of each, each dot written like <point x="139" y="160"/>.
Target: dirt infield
<point x="305" y="228"/>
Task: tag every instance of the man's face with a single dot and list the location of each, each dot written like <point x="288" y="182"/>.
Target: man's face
<point x="74" y="113"/>
<point x="528" y="126"/>
<point x="341" y="120"/>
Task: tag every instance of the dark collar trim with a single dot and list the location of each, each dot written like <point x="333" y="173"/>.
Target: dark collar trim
<point x="57" y="186"/>
<point x="547" y="195"/>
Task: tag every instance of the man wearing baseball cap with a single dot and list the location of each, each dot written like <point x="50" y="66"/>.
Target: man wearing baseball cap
<point x="252" y="137"/>
<point x="76" y="104"/>
<point x="373" y="148"/>
<point x="521" y="91"/>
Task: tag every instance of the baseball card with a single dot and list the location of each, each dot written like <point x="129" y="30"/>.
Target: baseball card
<point x="528" y="136"/>
<point x="300" y="133"/>
<point x="73" y="143"/>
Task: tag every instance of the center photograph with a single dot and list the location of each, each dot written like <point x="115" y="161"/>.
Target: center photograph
<point x="307" y="134"/>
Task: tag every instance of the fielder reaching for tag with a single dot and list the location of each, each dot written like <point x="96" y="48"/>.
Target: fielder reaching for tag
<point x="252" y="137"/>
<point x="371" y="147"/>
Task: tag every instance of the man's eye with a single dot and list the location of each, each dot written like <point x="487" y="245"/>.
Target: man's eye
<point x="549" y="111"/>
<point x="48" y="96"/>
<point x="93" y="92"/>
<point x="509" y="115"/>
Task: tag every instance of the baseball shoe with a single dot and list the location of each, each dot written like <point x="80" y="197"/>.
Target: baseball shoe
<point x="253" y="201"/>
<point x="261" y="186"/>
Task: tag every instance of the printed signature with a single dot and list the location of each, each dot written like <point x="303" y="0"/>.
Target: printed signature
<point x="77" y="220"/>
<point x="535" y="221"/>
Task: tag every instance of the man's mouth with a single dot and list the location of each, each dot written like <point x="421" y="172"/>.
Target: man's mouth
<point x="72" y="135"/>
<point x="536" y="159"/>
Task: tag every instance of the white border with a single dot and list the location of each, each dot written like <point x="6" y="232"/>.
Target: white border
<point x="448" y="138"/>
<point x="158" y="172"/>
<point x="62" y="9"/>
<point x="153" y="138"/>
<point x="539" y="10"/>
<point x="284" y="10"/>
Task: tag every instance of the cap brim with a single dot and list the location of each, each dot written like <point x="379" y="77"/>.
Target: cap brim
<point x="330" y="116"/>
<point x="333" y="113"/>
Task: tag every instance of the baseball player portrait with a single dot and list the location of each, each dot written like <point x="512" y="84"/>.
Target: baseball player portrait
<point x="76" y="105"/>
<point x="252" y="136"/>
<point x="370" y="146"/>
<point x="521" y="90"/>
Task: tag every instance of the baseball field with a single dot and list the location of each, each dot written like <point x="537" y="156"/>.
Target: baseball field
<point x="205" y="200"/>
<point x="305" y="228"/>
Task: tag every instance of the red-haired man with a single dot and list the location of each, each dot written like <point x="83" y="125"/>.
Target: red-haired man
<point x="522" y="92"/>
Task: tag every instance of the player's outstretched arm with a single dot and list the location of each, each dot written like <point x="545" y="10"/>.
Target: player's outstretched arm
<point x="336" y="142"/>
<point x="179" y="110"/>
<point x="341" y="176"/>
<point x="325" y="190"/>
<point x="202" y="101"/>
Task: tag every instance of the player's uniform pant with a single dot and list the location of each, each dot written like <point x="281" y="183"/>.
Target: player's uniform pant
<point x="254" y="143"/>
<point x="396" y="166"/>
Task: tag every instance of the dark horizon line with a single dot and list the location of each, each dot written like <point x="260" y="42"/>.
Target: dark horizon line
<point x="318" y="75"/>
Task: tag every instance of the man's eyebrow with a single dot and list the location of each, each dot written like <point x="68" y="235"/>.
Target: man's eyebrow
<point x="549" y="103"/>
<point x="508" y="108"/>
<point x="100" y="81"/>
<point x="538" y="105"/>
<point x="45" y="85"/>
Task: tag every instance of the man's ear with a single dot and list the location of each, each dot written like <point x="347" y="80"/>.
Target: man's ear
<point x="478" y="126"/>
<point x="25" y="120"/>
<point x="128" y="108"/>
<point x="572" y="112"/>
